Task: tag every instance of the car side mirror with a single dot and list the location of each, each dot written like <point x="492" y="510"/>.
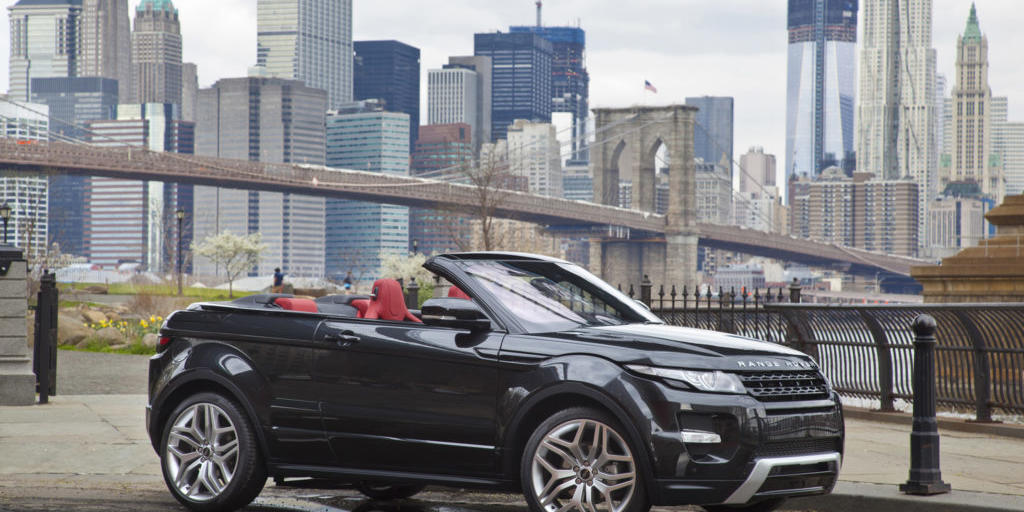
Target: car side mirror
<point x="456" y="313"/>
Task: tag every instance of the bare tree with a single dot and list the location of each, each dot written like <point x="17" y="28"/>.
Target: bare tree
<point x="491" y="179"/>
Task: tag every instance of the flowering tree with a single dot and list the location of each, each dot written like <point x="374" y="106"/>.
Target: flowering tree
<point x="234" y="253"/>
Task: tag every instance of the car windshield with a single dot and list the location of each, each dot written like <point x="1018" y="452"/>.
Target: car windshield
<point x="547" y="296"/>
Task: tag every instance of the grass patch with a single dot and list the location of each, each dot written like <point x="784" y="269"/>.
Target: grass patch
<point x="95" y="345"/>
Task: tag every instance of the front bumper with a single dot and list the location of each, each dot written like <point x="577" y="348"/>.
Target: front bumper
<point x="766" y="450"/>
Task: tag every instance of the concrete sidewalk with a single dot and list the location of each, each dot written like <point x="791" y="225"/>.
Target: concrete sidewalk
<point x="78" y="438"/>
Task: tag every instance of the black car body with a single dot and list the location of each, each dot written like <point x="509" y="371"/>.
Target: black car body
<point x="703" y="417"/>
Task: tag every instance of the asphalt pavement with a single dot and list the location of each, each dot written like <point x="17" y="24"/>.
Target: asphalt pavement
<point x="89" y="451"/>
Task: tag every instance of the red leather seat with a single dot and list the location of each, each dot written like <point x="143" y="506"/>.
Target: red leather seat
<point x="388" y="303"/>
<point x="456" y="293"/>
<point x="360" y="305"/>
<point x="296" y="304"/>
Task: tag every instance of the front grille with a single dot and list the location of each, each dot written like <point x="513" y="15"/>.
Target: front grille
<point x="794" y="448"/>
<point x="785" y="386"/>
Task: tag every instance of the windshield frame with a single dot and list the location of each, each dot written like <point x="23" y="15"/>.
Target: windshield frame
<point x="458" y="270"/>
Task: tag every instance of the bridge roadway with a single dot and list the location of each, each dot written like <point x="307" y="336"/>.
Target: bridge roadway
<point x="140" y="164"/>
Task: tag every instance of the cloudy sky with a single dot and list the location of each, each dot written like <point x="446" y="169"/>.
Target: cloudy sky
<point x="685" y="47"/>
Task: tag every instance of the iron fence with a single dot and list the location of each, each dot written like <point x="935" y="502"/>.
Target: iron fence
<point x="866" y="351"/>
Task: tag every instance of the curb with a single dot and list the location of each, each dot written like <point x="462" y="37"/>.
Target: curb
<point x="860" y="497"/>
<point x="958" y="425"/>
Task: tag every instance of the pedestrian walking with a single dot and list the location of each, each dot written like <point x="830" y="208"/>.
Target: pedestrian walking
<point x="278" y="281"/>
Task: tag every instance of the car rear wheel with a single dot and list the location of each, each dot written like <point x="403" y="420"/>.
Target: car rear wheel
<point x="761" y="506"/>
<point x="580" y="459"/>
<point x="209" y="455"/>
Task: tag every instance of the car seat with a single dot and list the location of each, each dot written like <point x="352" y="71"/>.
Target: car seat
<point x="388" y="303"/>
<point x="456" y="293"/>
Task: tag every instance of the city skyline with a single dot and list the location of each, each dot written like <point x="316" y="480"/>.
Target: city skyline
<point x="623" y="50"/>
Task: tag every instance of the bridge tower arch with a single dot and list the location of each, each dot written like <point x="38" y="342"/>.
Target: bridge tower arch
<point x="639" y="132"/>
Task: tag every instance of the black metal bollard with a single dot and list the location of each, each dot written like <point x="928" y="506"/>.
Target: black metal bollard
<point x="645" y="290"/>
<point x="794" y="291"/>
<point x="925" y="475"/>
<point x="44" y="360"/>
<point x="412" y="294"/>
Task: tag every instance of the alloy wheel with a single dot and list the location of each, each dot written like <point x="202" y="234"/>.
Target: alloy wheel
<point x="583" y="465"/>
<point x="201" y="455"/>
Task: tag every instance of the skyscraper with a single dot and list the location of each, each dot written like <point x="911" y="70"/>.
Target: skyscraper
<point x="106" y="49"/>
<point x="972" y="116"/>
<point x="360" y="234"/>
<point x="896" y="107"/>
<point x="440" y="147"/>
<point x="156" y="53"/>
<point x="131" y="220"/>
<point x="265" y="120"/>
<point x="73" y="103"/>
<point x="534" y="157"/>
<point x="820" y="85"/>
<point x="308" y="40"/>
<point x="389" y="71"/>
<point x="521" y="78"/>
<point x="713" y="135"/>
<point x="570" y="80"/>
<point x="25" y="193"/>
<point x="189" y="91"/>
<point x="45" y="42"/>
<point x="460" y="92"/>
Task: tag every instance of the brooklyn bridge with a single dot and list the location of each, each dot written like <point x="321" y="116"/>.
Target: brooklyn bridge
<point x="49" y="158"/>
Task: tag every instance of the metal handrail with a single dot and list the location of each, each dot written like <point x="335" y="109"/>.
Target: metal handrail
<point x="866" y="351"/>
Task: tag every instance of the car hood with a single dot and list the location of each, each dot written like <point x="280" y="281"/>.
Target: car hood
<point x="682" y="347"/>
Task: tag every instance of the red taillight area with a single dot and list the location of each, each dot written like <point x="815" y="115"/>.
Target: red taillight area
<point x="165" y="340"/>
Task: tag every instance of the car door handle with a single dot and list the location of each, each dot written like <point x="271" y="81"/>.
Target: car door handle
<point x="343" y="338"/>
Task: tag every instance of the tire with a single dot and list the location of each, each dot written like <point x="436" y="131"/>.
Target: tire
<point x="761" y="506"/>
<point x="211" y="471"/>
<point x="387" y="491"/>
<point x="563" y="465"/>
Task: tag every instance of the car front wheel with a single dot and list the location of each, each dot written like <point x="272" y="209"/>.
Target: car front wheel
<point x="579" y="459"/>
<point x="209" y="455"/>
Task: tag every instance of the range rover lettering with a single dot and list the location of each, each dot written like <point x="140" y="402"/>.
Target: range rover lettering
<point x="530" y="374"/>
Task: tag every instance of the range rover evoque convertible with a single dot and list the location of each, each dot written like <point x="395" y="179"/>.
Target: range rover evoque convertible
<point x="529" y="374"/>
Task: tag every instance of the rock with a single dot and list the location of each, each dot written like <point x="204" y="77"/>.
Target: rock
<point x="109" y="336"/>
<point x="114" y="316"/>
<point x="71" y="330"/>
<point x="151" y="339"/>
<point x="94" y="317"/>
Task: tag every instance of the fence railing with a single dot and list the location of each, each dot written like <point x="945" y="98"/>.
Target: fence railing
<point x="866" y="351"/>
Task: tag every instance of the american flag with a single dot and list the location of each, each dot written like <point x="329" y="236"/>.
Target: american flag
<point x="650" y="87"/>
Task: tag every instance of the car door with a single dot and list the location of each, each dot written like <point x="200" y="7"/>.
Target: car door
<point x="408" y="397"/>
<point x="280" y="346"/>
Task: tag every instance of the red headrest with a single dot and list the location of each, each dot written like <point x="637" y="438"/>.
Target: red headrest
<point x="456" y="293"/>
<point x="388" y="302"/>
<point x="295" y="304"/>
<point x="360" y="305"/>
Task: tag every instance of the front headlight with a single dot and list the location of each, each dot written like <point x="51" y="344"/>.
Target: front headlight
<point x="712" y="381"/>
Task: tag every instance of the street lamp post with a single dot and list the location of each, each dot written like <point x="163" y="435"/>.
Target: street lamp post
<point x="5" y="213"/>
<point x="180" y="214"/>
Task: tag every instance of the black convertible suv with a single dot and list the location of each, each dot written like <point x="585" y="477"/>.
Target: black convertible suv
<point x="530" y="374"/>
